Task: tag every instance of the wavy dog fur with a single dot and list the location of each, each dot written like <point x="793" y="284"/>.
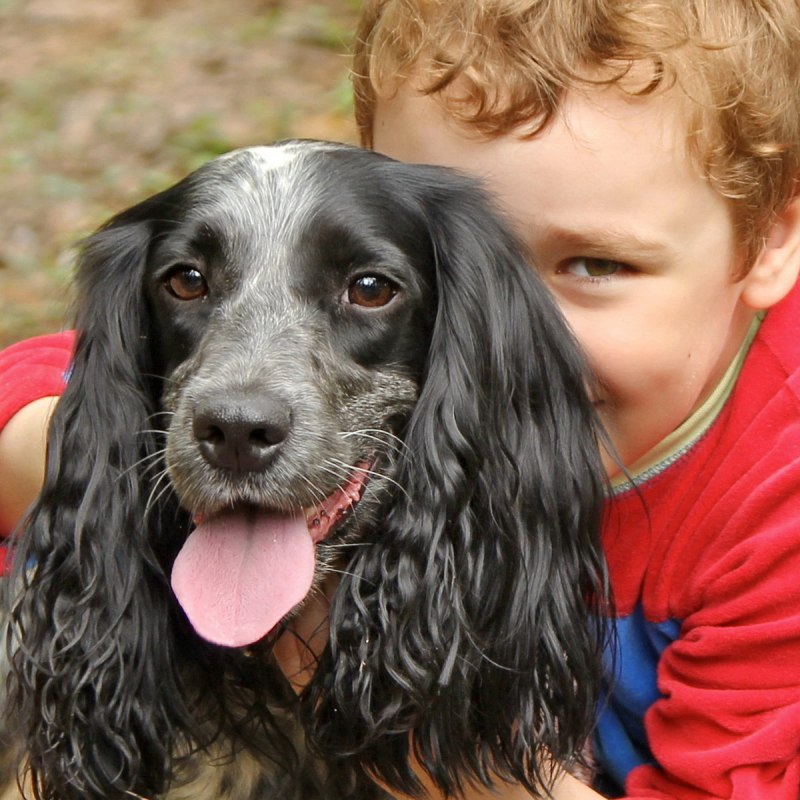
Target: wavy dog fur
<point x="393" y="320"/>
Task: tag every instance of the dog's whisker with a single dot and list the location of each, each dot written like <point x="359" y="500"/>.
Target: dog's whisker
<point x="317" y="493"/>
<point x="151" y="500"/>
<point x="341" y="470"/>
<point x="154" y="464"/>
<point x="151" y="457"/>
<point x="341" y="473"/>
<point x="160" y="483"/>
<point x="343" y="545"/>
<point x="366" y="471"/>
<point x="385" y="438"/>
<point x="382" y="432"/>
<point x="349" y="469"/>
<point x="154" y="504"/>
<point x="351" y="575"/>
<point x="154" y="417"/>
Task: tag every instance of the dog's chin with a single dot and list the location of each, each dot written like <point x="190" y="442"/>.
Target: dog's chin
<point x="246" y="567"/>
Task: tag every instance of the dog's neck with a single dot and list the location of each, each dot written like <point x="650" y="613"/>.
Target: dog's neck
<point x="298" y="649"/>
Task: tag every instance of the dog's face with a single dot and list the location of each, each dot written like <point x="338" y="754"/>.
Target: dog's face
<point x="293" y="335"/>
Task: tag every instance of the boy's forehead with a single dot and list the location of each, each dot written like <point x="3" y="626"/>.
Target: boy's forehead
<point x="609" y="168"/>
<point x="604" y="115"/>
<point x="412" y="125"/>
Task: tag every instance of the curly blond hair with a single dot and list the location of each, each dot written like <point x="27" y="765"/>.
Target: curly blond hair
<point x="737" y="61"/>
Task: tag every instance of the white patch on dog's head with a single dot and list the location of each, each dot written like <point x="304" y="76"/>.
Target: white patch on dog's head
<point x="265" y="158"/>
<point x="280" y="162"/>
<point x="276" y="156"/>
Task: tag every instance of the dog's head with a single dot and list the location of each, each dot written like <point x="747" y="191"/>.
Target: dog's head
<point x="307" y="359"/>
<point x="292" y="316"/>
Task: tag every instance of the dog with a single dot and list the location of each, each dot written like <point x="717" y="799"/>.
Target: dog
<point x="308" y="366"/>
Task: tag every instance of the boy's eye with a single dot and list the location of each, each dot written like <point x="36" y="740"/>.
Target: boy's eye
<point x="586" y="267"/>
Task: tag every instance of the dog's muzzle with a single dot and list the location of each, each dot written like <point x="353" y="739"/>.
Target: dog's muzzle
<point x="242" y="571"/>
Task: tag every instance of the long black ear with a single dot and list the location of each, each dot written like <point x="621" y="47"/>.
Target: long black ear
<point x="466" y="631"/>
<point x="91" y="655"/>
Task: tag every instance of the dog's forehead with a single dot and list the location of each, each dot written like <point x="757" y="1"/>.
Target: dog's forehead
<point x="241" y="173"/>
<point x="278" y="188"/>
<point x="250" y="164"/>
<point x="286" y="167"/>
<point x="268" y="158"/>
<point x="268" y="207"/>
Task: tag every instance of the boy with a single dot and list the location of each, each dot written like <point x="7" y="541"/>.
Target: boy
<point x="648" y="157"/>
<point x="647" y="154"/>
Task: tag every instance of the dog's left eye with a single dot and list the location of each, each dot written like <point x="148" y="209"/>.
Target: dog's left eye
<point x="186" y="283"/>
<point x="371" y="291"/>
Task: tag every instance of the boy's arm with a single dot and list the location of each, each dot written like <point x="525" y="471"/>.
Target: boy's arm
<point x="22" y="455"/>
<point x="32" y="374"/>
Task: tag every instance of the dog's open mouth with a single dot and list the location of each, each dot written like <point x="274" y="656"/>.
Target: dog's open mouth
<point x="240" y="572"/>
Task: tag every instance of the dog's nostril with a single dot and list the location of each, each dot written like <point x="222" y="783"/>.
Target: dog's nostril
<point x="241" y="434"/>
<point x="205" y="432"/>
<point x="268" y="436"/>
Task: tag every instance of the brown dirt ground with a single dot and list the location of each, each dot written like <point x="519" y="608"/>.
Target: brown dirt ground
<point x="103" y="102"/>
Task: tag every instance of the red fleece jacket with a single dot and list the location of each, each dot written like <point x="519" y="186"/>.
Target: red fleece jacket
<point x="705" y="566"/>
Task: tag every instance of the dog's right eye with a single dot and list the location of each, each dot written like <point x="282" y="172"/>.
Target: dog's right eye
<point x="371" y="291"/>
<point x="186" y="283"/>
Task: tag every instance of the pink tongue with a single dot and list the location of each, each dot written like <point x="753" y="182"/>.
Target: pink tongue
<point x="241" y="572"/>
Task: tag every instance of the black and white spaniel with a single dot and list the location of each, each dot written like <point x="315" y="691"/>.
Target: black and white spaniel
<point x="308" y="366"/>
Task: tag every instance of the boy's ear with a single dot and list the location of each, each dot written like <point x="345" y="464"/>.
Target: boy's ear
<point x="777" y="266"/>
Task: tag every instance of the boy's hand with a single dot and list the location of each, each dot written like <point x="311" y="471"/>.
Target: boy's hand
<point x="22" y="458"/>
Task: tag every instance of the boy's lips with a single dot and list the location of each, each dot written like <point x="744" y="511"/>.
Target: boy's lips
<point x="243" y="570"/>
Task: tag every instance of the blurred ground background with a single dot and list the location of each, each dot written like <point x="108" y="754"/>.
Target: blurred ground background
<point x="103" y="102"/>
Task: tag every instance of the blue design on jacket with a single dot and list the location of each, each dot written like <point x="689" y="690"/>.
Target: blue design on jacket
<point x="631" y="661"/>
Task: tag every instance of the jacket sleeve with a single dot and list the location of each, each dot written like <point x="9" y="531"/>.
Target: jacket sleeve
<point x="30" y="370"/>
<point x="728" y="722"/>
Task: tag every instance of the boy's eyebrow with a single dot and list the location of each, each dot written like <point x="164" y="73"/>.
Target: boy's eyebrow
<point x="620" y="243"/>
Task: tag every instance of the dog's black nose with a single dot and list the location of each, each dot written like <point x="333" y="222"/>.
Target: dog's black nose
<point x="241" y="433"/>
